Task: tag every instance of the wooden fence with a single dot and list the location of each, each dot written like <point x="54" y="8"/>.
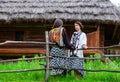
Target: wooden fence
<point x="47" y="67"/>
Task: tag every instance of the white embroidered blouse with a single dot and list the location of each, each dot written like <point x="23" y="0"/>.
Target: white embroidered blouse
<point x="79" y="39"/>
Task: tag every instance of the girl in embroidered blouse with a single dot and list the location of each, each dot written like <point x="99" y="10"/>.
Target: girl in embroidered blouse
<point x="79" y="40"/>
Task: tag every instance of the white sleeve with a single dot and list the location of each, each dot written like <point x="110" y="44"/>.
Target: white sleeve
<point x="83" y="39"/>
<point x="71" y="41"/>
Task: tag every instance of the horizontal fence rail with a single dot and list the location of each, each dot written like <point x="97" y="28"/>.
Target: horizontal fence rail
<point x="24" y="70"/>
<point x="89" y="70"/>
<point x="86" y="58"/>
<point x="38" y="69"/>
<point x="111" y="55"/>
<point x="25" y="42"/>
<point x="106" y="47"/>
<point x="26" y="59"/>
<point x="34" y="42"/>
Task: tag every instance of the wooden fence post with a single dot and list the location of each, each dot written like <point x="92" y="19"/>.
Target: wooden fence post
<point x="47" y="57"/>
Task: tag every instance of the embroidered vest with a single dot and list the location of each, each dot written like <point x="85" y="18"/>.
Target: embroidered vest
<point x="56" y="36"/>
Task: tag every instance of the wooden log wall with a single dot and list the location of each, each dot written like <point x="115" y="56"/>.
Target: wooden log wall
<point x="30" y="34"/>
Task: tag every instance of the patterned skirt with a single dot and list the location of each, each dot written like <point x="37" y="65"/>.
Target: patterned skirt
<point x="76" y="64"/>
<point x="68" y="63"/>
<point x="57" y="62"/>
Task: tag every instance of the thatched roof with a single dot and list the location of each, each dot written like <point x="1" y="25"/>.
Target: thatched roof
<point x="95" y="10"/>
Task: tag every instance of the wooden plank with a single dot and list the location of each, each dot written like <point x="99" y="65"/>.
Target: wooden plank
<point x="32" y="51"/>
<point x="47" y="59"/>
<point x="91" y="39"/>
<point x="94" y="38"/>
<point x="21" y="50"/>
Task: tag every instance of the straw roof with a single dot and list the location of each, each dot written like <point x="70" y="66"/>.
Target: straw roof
<point x="68" y="10"/>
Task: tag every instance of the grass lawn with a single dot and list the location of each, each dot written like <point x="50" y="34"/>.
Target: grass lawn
<point x="38" y="76"/>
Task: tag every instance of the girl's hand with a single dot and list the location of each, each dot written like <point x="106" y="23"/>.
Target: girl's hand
<point x="85" y="47"/>
<point x="73" y="47"/>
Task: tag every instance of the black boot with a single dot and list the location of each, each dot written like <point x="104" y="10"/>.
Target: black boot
<point x="64" y="73"/>
<point x="69" y="72"/>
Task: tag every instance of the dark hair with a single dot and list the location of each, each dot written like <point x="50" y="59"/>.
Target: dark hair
<point x="79" y="23"/>
<point x="57" y="23"/>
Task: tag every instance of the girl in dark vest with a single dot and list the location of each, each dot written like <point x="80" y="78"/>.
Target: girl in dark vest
<point x="58" y="36"/>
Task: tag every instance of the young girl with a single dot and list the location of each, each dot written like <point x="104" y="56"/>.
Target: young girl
<point x="58" y="36"/>
<point x="79" y="40"/>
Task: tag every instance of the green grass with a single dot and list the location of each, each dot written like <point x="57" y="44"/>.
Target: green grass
<point x="38" y="76"/>
<point x="34" y="76"/>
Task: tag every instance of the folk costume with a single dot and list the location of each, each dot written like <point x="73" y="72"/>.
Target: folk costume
<point x="78" y="40"/>
<point x="58" y="36"/>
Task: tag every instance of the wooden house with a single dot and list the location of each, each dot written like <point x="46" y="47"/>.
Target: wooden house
<point x="27" y="20"/>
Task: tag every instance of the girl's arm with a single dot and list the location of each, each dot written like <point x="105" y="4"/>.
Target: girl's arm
<point x="66" y="42"/>
<point x="84" y="41"/>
